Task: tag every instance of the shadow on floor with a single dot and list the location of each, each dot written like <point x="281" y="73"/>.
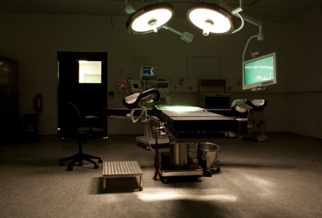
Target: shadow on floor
<point x="115" y="185"/>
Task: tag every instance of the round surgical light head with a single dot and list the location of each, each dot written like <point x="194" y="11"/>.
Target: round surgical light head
<point x="210" y="18"/>
<point x="149" y="18"/>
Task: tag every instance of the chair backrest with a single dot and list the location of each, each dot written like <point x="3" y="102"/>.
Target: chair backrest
<point x="70" y="117"/>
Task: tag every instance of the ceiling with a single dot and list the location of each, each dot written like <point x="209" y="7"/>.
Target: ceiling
<point x="264" y="10"/>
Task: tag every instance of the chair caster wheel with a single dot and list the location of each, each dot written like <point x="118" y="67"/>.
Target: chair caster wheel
<point x="69" y="168"/>
<point x="95" y="166"/>
<point x="100" y="160"/>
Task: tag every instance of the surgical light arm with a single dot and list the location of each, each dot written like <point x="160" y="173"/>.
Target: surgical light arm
<point x="236" y="12"/>
<point x="185" y="36"/>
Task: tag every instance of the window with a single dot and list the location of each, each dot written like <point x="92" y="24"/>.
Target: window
<point x="90" y="72"/>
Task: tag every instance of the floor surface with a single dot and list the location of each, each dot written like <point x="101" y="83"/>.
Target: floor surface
<point x="278" y="178"/>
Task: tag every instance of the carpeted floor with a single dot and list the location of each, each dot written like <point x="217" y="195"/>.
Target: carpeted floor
<point x="278" y="178"/>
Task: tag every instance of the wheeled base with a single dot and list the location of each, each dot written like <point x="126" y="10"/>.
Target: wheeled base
<point x="80" y="157"/>
<point x="191" y="171"/>
<point x="188" y="174"/>
<point x="209" y="171"/>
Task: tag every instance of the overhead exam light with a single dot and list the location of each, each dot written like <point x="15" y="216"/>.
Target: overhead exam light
<point x="149" y="18"/>
<point x="216" y="19"/>
<point x="210" y="18"/>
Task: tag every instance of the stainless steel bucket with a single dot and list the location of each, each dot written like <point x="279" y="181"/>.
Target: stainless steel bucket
<point x="179" y="153"/>
<point x="209" y="153"/>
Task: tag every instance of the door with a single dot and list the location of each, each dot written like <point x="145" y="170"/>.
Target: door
<point x="9" y="100"/>
<point x="82" y="80"/>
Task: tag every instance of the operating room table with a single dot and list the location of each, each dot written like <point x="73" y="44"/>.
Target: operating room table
<point x="184" y="125"/>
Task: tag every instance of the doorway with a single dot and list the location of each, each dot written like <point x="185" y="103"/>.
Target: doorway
<point x="82" y="80"/>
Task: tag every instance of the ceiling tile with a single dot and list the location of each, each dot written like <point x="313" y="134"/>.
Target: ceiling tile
<point x="49" y="10"/>
<point x="14" y="3"/>
<point x="258" y="11"/>
<point x="282" y="12"/>
<point x="98" y="3"/>
<point x="24" y="9"/>
<point x="299" y="4"/>
<point x="270" y="3"/>
<point x="5" y="9"/>
<point x="43" y="3"/>
<point x="264" y="10"/>
<point x="276" y="19"/>
<point x="72" y="3"/>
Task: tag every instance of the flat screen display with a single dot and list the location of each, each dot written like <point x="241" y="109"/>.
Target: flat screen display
<point x="148" y="72"/>
<point x="259" y="72"/>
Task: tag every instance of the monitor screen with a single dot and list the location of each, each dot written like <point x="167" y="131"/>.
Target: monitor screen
<point x="148" y="72"/>
<point x="259" y="72"/>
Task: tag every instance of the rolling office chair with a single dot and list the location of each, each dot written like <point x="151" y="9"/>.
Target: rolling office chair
<point x="72" y="125"/>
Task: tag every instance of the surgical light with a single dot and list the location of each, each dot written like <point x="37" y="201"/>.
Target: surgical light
<point x="149" y="18"/>
<point x="210" y="18"/>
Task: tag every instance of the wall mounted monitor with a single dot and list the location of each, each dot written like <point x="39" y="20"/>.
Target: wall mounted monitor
<point x="148" y="72"/>
<point x="259" y="72"/>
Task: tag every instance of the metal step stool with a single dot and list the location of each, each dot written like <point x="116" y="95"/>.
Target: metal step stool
<point x="120" y="169"/>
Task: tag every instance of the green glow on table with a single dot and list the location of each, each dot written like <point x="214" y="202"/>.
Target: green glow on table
<point x="179" y="108"/>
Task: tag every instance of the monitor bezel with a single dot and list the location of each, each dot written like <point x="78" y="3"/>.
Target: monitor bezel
<point x="262" y="83"/>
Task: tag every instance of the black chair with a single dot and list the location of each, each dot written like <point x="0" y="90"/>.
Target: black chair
<point x="73" y="125"/>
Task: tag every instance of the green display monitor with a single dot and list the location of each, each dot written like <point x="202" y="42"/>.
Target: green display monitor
<point x="259" y="72"/>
